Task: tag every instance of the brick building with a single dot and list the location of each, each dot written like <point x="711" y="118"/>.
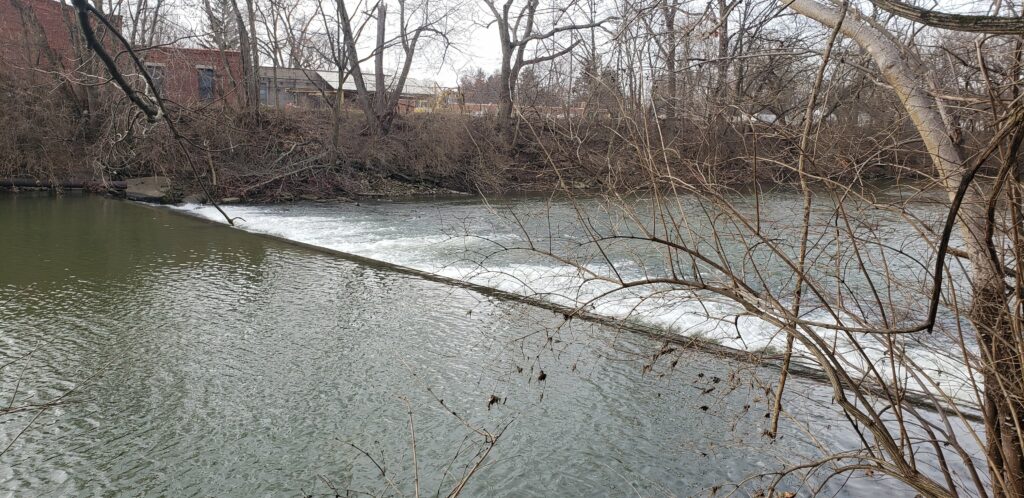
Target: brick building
<point x="195" y="76"/>
<point x="44" y="34"/>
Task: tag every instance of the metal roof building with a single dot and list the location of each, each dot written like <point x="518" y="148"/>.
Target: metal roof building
<point x="414" y="87"/>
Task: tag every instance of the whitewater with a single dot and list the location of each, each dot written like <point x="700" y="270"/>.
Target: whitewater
<point x="478" y="241"/>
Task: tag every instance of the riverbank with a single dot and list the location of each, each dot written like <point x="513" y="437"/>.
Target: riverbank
<point x="288" y="155"/>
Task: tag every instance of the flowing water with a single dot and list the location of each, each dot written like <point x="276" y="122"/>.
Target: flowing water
<point x="486" y="243"/>
<point x="184" y="358"/>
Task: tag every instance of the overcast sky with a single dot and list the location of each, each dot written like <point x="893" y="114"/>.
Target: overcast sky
<point x="481" y="49"/>
<point x="477" y="47"/>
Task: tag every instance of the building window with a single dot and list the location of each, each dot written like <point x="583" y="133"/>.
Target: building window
<point x="293" y="98"/>
<point x="264" y="91"/>
<point x="206" y="83"/>
<point x="156" y="73"/>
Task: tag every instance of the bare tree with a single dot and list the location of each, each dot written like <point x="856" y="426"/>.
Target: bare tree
<point x="520" y="31"/>
<point x="245" y="20"/>
<point x="417" y="22"/>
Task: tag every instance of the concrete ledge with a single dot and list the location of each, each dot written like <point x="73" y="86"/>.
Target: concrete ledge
<point x="148" y="189"/>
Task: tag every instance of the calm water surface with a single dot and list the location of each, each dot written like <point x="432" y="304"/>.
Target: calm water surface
<point x="206" y="361"/>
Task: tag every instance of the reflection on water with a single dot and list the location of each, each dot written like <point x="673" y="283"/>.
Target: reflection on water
<point x="207" y="361"/>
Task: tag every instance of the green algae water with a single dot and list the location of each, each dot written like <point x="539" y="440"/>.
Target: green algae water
<point x="146" y="353"/>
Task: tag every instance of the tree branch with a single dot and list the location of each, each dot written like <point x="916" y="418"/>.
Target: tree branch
<point x="994" y="25"/>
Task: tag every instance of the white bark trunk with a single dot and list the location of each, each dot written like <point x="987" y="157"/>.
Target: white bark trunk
<point x="988" y="308"/>
<point x="919" y="105"/>
<point x="923" y="111"/>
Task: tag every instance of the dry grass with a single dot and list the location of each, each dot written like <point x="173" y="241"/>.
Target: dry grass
<point x="283" y="154"/>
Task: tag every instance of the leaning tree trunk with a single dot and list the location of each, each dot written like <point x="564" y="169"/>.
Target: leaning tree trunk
<point x="355" y="71"/>
<point x="1001" y="366"/>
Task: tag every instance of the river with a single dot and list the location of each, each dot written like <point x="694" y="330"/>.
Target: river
<point x="191" y="359"/>
<point x="489" y="243"/>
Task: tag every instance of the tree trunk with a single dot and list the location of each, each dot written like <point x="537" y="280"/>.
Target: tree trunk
<point x="387" y="116"/>
<point x="507" y="90"/>
<point x="721" y="84"/>
<point x="253" y="77"/>
<point x="250" y="74"/>
<point x="671" y="90"/>
<point x="505" y="112"/>
<point x="337" y="113"/>
<point x="1001" y="366"/>
<point x="354" y="70"/>
<point x="380" y="94"/>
